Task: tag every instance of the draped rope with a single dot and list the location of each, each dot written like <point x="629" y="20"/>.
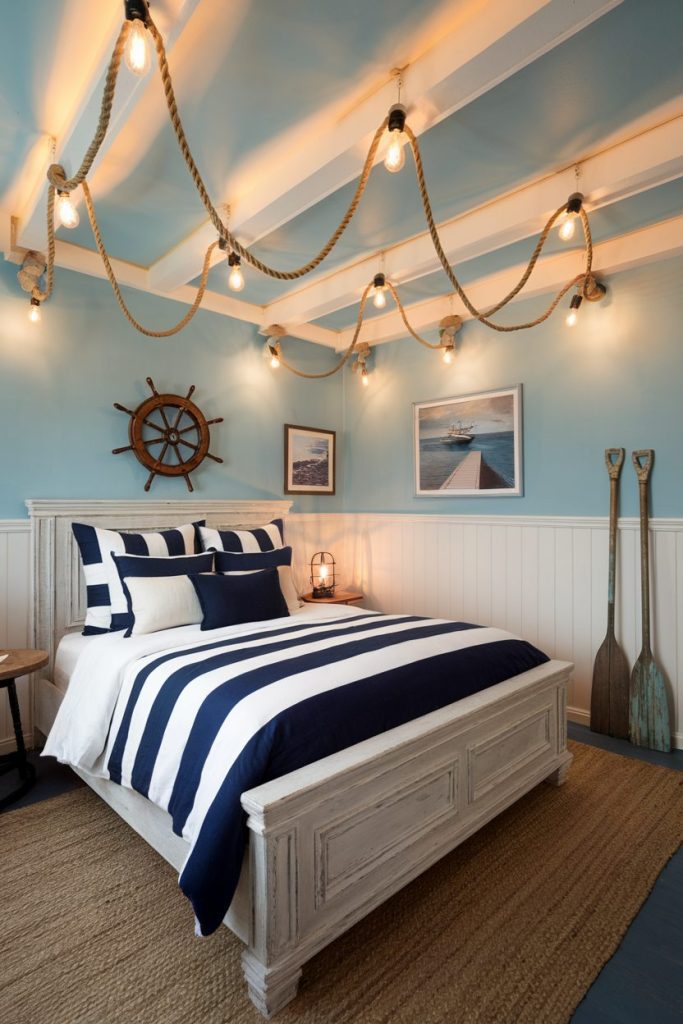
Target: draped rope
<point x="117" y="291"/>
<point x="58" y="181"/>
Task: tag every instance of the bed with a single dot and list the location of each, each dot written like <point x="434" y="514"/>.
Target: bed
<point x="331" y="840"/>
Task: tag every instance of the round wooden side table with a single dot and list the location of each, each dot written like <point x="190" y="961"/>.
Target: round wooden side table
<point x="18" y="663"/>
<point x="340" y="597"/>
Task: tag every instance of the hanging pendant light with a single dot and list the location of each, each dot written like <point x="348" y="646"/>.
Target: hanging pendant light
<point x="395" y="157"/>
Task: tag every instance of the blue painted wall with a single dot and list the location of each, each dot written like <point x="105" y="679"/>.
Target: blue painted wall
<point x="59" y="378"/>
<point x="615" y="379"/>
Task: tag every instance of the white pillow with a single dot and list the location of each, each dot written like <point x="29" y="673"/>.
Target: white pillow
<point x="162" y="602"/>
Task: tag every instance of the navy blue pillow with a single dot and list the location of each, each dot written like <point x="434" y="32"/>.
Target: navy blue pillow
<point x="148" y="565"/>
<point x="230" y="600"/>
<point x="248" y="561"/>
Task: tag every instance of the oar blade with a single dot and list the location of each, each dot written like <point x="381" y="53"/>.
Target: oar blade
<point x="600" y="704"/>
<point x="649" y="706"/>
<point x="619" y="689"/>
<point x="610" y="690"/>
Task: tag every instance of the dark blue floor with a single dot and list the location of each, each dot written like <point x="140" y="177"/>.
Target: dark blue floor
<point x="641" y="984"/>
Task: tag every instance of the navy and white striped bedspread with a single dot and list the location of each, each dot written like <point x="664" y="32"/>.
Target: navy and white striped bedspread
<point x="196" y="727"/>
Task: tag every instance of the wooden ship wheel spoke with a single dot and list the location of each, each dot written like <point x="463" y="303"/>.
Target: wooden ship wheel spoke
<point x="178" y="456"/>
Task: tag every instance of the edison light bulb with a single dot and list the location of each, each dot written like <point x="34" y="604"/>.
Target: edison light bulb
<point x="274" y="359"/>
<point x="137" y="49"/>
<point x="66" y="211"/>
<point x="448" y="355"/>
<point x="236" y="279"/>
<point x="323" y="573"/>
<point x="572" y="317"/>
<point x="567" y="227"/>
<point x="34" y="311"/>
<point x="379" y="299"/>
<point x="365" y="377"/>
<point x="395" y="155"/>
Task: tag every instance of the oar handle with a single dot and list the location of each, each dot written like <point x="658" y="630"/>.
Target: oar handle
<point x="614" y="460"/>
<point x="642" y="463"/>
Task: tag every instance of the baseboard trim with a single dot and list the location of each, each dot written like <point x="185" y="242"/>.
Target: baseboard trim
<point x="582" y="717"/>
<point x="9" y="744"/>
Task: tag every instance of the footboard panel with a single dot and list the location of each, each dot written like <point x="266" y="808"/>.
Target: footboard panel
<point x="334" y="840"/>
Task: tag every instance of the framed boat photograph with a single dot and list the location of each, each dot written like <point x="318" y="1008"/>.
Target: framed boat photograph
<point x="310" y="459"/>
<point x="469" y="446"/>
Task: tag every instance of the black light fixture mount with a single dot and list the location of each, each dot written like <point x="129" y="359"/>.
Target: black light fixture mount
<point x="397" y="118"/>
<point x="575" y="202"/>
<point x="137" y="10"/>
<point x="379" y="281"/>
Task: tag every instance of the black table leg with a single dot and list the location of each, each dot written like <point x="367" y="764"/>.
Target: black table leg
<point x="17" y="759"/>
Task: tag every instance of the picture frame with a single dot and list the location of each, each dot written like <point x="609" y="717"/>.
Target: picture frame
<point x="469" y="446"/>
<point x="310" y="460"/>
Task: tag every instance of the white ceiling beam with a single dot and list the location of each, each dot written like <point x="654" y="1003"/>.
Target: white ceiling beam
<point x="651" y="158"/>
<point x="131" y="275"/>
<point x="74" y="133"/>
<point x="625" y="252"/>
<point x="312" y="160"/>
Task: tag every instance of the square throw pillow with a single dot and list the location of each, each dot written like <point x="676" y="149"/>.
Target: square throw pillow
<point x="262" y="538"/>
<point x="147" y="566"/>
<point x="231" y="600"/>
<point x="234" y="563"/>
<point x="103" y="584"/>
<point x="162" y="602"/>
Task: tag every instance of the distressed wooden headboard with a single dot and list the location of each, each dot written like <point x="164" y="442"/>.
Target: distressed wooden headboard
<point x="58" y="583"/>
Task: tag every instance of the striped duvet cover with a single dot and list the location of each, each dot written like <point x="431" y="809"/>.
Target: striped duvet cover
<point x="196" y="724"/>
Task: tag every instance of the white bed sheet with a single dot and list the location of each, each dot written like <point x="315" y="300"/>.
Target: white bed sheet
<point x="70" y="648"/>
<point x="85" y="662"/>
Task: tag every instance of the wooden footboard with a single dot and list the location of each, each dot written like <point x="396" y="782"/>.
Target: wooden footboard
<point x="332" y="841"/>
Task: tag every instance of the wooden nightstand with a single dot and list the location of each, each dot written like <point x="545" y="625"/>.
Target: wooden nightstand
<point x="19" y="663"/>
<point x="340" y="597"/>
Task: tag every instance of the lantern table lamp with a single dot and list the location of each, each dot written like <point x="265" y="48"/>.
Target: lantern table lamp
<point x="323" y="579"/>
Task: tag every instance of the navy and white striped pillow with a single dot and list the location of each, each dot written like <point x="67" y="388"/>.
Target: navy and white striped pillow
<point x="151" y="567"/>
<point x="105" y="594"/>
<point x="263" y="538"/>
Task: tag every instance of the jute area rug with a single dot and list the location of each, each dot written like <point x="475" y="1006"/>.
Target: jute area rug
<point x="514" y="925"/>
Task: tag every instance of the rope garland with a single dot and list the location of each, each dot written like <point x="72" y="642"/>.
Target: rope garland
<point x="115" y="285"/>
<point x="354" y="340"/>
<point x="59" y="182"/>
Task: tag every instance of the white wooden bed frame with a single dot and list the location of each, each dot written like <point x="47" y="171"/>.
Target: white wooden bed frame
<point x="332" y="841"/>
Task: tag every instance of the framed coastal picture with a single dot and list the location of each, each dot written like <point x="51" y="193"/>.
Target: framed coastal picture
<point x="469" y="446"/>
<point x="310" y="456"/>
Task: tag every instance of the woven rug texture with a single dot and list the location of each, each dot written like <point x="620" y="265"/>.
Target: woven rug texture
<point x="514" y="925"/>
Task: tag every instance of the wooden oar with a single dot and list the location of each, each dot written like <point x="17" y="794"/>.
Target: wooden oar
<point x="610" y="689"/>
<point x="649" y="711"/>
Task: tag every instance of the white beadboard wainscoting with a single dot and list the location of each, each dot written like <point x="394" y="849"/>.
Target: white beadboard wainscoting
<point x="542" y="578"/>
